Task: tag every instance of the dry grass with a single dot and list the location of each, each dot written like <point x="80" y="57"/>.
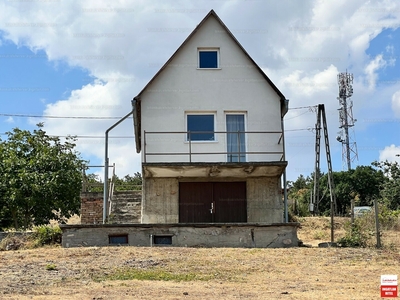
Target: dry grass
<point x="315" y="230"/>
<point x="199" y="273"/>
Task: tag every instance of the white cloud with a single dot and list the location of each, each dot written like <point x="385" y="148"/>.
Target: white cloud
<point x="390" y="153"/>
<point x="371" y="70"/>
<point x="390" y="49"/>
<point x="301" y="45"/>
<point x="396" y="103"/>
<point x="309" y="85"/>
<point x="10" y="120"/>
<point x="111" y="99"/>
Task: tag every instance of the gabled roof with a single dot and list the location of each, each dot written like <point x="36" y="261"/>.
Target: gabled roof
<point x="137" y="115"/>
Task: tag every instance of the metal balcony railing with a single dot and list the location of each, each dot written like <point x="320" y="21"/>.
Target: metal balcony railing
<point x="185" y="144"/>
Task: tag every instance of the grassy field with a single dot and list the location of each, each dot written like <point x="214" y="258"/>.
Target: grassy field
<point x="202" y="273"/>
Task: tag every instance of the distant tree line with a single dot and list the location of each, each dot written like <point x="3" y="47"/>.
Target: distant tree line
<point x="126" y="183"/>
<point x="363" y="184"/>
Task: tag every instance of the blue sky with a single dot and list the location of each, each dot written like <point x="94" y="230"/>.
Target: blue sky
<point x="29" y="80"/>
<point x="70" y="60"/>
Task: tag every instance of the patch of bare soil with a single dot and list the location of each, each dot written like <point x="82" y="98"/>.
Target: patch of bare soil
<point x="197" y="273"/>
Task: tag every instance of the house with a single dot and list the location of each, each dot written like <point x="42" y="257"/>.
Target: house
<point x="209" y="127"/>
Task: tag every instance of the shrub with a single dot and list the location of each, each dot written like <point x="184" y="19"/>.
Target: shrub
<point x="355" y="236"/>
<point x="47" y="235"/>
<point x="389" y="219"/>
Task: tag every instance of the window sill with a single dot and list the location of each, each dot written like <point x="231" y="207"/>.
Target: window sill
<point x="209" y="69"/>
<point x="200" y="142"/>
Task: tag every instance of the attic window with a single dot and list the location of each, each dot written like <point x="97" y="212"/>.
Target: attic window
<point x="208" y="58"/>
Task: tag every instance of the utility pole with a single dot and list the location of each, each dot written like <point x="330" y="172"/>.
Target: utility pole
<point x="314" y="206"/>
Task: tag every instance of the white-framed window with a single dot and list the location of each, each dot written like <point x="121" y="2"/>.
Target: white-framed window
<point x="236" y="136"/>
<point x="200" y="126"/>
<point x="208" y="58"/>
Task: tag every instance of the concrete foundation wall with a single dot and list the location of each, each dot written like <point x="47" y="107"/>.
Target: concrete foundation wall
<point x="264" y="200"/>
<point x="160" y="202"/>
<point x="185" y="235"/>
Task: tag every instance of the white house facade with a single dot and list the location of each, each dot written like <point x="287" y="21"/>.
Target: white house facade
<point x="209" y="127"/>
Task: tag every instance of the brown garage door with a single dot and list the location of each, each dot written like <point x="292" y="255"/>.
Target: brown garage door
<point x="212" y="202"/>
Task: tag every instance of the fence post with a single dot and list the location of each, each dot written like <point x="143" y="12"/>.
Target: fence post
<point x="378" y="233"/>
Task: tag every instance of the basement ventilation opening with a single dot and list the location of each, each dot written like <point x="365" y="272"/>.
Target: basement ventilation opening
<point x="118" y="239"/>
<point x="162" y="240"/>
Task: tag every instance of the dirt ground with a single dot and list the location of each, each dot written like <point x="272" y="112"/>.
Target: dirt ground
<point x="200" y="273"/>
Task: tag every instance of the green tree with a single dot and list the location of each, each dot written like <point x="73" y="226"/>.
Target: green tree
<point x="40" y="178"/>
<point x="92" y="183"/>
<point x="361" y="184"/>
<point x="367" y="182"/>
<point x="129" y="182"/>
<point x="343" y="191"/>
<point x="299" y="195"/>
<point x="390" y="187"/>
<point x="5" y="217"/>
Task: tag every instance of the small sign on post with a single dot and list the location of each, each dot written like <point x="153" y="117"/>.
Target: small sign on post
<point x="389" y="286"/>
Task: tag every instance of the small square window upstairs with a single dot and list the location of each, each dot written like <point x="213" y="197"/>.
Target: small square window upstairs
<point x="209" y="59"/>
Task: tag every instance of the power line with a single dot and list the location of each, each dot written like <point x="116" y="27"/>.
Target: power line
<point x="95" y="136"/>
<point x="87" y="136"/>
<point x="297" y="116"/>
<point x="97" y="118"/>
<point x="61" y="117"/>
<point x="303" y="107"/>
<point x="309" y="129"/>
<point x="126" y="136"/>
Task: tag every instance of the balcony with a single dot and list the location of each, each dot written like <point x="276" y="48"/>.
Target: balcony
<point x="222" y="154"/>
<point x="220" y="146"/>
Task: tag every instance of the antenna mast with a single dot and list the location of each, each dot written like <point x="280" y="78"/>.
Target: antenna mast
<point x="346" y="135"/>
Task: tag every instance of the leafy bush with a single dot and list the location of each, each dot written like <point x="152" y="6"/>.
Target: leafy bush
<point x="389" y="219"/>
<point x="47" y="235"/>
<point x="356" y="236"/>
<point x="41" y="235"/>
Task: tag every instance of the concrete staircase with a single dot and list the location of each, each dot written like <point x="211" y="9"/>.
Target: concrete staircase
<point x="126" y="207"/>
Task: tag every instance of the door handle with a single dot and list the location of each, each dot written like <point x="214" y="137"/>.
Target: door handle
<point x="212" y="208"/>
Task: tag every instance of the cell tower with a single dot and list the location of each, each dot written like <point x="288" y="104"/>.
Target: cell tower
<point x="346" y="135"/>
